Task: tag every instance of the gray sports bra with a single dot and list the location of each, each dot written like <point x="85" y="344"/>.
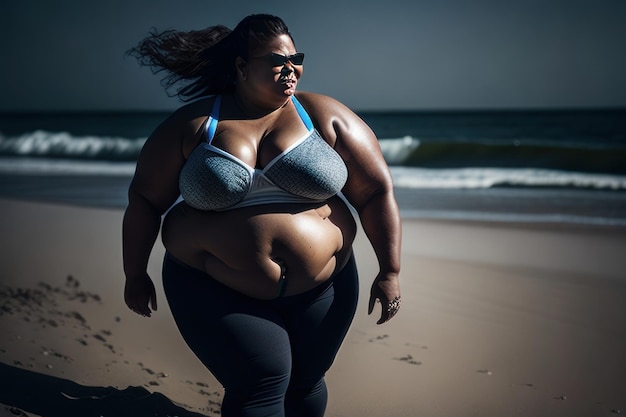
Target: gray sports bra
<point x="308" y="171"/>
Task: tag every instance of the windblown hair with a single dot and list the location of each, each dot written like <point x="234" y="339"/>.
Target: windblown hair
<point x="202" y="62"/>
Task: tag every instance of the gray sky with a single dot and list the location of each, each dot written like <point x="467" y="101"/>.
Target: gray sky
<point x="371" y="55"/>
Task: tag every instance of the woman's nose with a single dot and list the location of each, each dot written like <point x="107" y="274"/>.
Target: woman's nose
<point x="287" y="68"/>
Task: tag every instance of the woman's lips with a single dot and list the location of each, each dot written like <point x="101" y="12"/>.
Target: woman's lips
<point x="289" y="85"/>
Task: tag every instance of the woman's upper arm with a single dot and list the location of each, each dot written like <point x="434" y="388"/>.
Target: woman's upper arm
<point x="161" y="159"/>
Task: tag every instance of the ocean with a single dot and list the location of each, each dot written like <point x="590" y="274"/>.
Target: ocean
<point x="540" y="166"/>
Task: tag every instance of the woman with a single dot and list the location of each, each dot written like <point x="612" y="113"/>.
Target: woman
<point x="259" y="271"/>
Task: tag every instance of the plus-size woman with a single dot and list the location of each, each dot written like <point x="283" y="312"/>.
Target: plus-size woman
<point x="255" y="181"/>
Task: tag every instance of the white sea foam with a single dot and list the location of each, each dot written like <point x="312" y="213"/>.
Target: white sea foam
<point x="41" y="152"/>
<point x="397" y="150"/>
<point x="64" y="144"/>
<point x="460" y="178"/>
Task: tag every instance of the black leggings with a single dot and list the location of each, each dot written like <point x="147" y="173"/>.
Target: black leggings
<point x="270" y="355"/>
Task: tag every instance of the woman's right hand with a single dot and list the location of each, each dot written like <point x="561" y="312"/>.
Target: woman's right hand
<point x="140" y="295"/>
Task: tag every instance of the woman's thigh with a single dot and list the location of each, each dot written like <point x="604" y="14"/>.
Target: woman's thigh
<point x="318" y="327"/>
<point x="241" y="341"/>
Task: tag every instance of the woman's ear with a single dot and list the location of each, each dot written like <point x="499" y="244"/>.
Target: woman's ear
<point x="241" y="66"/>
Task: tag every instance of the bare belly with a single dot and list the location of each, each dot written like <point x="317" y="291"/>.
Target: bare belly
<point x="251" y="249"/>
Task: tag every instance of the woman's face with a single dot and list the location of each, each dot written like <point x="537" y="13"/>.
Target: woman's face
<point x="274" y="68"/>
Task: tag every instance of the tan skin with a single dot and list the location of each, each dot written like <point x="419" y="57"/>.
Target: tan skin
<point x="245" y="248"/>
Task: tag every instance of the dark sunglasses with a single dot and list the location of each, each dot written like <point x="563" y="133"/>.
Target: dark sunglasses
<point x="278" y="60"/>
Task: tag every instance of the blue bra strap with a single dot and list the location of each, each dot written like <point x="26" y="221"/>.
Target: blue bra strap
<point x="215" y="112"/>
<point x="213" y="118"/>
<point x="306" y="119"/>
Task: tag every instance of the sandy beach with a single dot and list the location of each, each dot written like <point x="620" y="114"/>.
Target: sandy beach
<point x="497" y="320"/>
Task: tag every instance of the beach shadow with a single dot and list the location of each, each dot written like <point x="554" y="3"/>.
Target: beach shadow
<point x="50" y="396"/>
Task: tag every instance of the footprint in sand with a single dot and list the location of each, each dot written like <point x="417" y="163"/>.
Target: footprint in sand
<point x="378" y="338"/>
<point x="52" y="353"/>
<point x="408" y="359"/>
<point x="99" y="337"/>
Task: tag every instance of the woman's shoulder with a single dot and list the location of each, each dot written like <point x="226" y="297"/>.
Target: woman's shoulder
<point x="328" y="113"/>
<point x="322" y="106"/>
<point x="316" y="101"/>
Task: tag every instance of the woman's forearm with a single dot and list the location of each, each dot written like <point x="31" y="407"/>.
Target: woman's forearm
<point x="380" y="219"/>
<point x="139" y="232"/>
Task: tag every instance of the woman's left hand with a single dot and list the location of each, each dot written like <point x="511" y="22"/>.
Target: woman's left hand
<point x="386" y="289"/>
<point x="140" y="295"/>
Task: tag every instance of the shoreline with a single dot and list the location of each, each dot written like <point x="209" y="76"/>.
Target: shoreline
<point x="104" y="184"/>
<point x="497" y="320"/>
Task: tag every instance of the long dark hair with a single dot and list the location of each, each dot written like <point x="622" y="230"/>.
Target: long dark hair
<point x="202" y="62"/>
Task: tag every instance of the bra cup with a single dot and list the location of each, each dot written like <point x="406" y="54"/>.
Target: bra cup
<point x="312" y="170"/>
<point x="208" y="181"/>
